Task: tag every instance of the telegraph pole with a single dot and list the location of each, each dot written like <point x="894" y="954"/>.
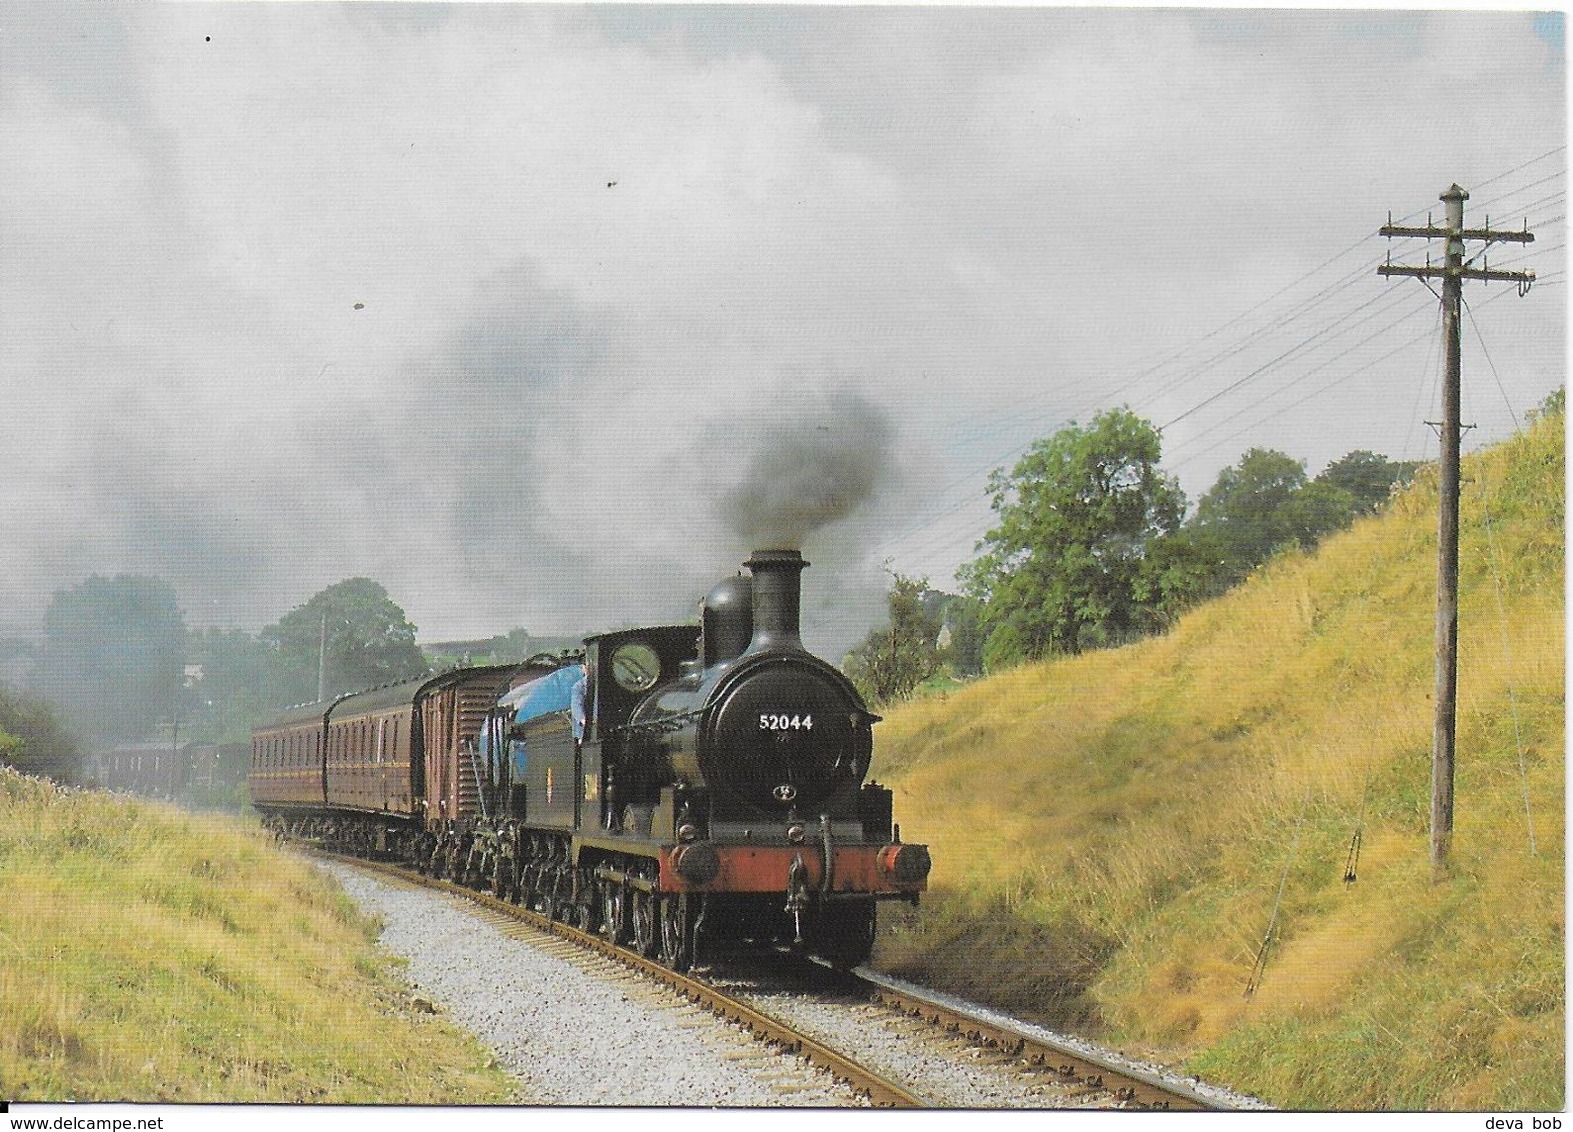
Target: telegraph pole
<point x="1453" y="272"/>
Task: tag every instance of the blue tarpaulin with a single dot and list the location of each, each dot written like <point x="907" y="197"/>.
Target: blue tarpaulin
<point x="542" y="696"/>
<point x="553" y="692"/>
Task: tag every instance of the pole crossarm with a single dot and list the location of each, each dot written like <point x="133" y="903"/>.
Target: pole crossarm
<point x="1432" y="232"/>
<point x="1458" y="273"/>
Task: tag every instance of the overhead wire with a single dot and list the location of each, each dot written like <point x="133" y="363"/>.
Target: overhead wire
<point x="963" y="492"/>
<point x="1326" y="331"/>
<point x="1433" y="369"/>
<point x="1400" y="299"/>
<point x="1146" y="369"/>
<point x="1520" y="168"/>
<point x="1333" y="384"/>
<point x="1288" y="354"/>
<point x="1303" y="310"/>
<point x="948" y="540"/>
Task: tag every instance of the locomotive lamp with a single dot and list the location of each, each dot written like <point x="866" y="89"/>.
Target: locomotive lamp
<point x="905" y="864"/>
<point x="697" y="864"/>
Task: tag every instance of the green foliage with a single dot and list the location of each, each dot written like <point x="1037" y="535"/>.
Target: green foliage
<point x="1552" y="406"/>
<point x="1062" y="570"/>
<point x="352" y="633"/>
<point x="891" y="662"/>
<point x="963" y="635"/>
<point x="1317" y="509"/>
<point x="112" y="655"/>
<point x="1183" y="569"/>
<point x="1261" y="506"/>
<point x="33" y="739"/>
<point x="1367" y="478"/>
<point x="232" y="695"/>
<point x="1247" y="508"/>
<point x="116" y="652"/>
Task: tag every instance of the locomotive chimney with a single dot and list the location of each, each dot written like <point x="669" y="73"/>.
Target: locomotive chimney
<point x="778" y="592"/>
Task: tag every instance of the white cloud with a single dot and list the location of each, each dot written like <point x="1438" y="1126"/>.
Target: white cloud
<point x="449" y="295"/>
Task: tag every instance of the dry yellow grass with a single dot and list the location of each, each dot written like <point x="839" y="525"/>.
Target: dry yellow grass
<point x="1148" y="804"/>
<point x="147" y="954"/>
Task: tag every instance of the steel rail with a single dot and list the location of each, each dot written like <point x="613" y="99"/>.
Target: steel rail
<point x="1129" y="1083"/>
<point x="879" y="1090"/>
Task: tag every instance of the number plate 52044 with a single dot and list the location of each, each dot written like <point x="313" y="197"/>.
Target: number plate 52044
<point x="769" y="721"/>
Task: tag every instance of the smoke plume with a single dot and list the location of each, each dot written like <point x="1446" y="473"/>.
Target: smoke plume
<point x="807" y="466"/>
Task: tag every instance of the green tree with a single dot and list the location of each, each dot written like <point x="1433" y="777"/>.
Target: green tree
<point x="1317" y="510"/>
<point x="892" y="661"/>
<point x="1244" y="510"/>
<point x="1367" y="478"/>
<point x="33" y="740"/>
<point x="1554" y="405"/>
<point x="351" y="634"/>
<point x="1063" y="569"/>
<point x="232" y="693"/>
<point x="112" y="656"/>
<point x="1183" y="569"/>
<point x="1253" y="510"/>
<point x="963" y="635"/>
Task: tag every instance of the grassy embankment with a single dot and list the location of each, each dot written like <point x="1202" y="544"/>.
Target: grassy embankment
<point x="149" y="954"/>
<point x="1111" y="833"/>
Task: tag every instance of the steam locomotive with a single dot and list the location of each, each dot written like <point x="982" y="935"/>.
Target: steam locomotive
<point x="685" y="790"/>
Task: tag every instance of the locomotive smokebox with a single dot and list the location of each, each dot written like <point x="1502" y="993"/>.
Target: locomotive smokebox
<point x="778" y="594"/>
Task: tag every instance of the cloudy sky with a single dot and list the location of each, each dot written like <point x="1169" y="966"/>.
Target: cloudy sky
<point x="530" y="312"/>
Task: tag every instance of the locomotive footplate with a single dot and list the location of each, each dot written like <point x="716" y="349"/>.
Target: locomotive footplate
<point x="885" y="872"/>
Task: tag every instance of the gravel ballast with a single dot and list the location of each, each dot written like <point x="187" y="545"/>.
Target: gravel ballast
<point x="571" y="1037"/>
<point x="586" y="1031"/>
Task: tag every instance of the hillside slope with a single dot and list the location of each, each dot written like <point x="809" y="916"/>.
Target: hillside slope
<point x="152" y="955"/>
<point x="1116" y="834"/>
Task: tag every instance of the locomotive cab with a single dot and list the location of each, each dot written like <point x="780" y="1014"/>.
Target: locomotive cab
<point x="622" y="778"/>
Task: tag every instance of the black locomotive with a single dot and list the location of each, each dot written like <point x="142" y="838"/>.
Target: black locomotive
<point x="702" y="788"/>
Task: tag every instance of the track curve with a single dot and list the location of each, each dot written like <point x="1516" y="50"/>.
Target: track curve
<point x="1098" y="1078"/>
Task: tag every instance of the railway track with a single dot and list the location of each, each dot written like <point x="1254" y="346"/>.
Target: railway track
<point x="1132" y="1085"/>
<point x="1072" y="1075"/>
